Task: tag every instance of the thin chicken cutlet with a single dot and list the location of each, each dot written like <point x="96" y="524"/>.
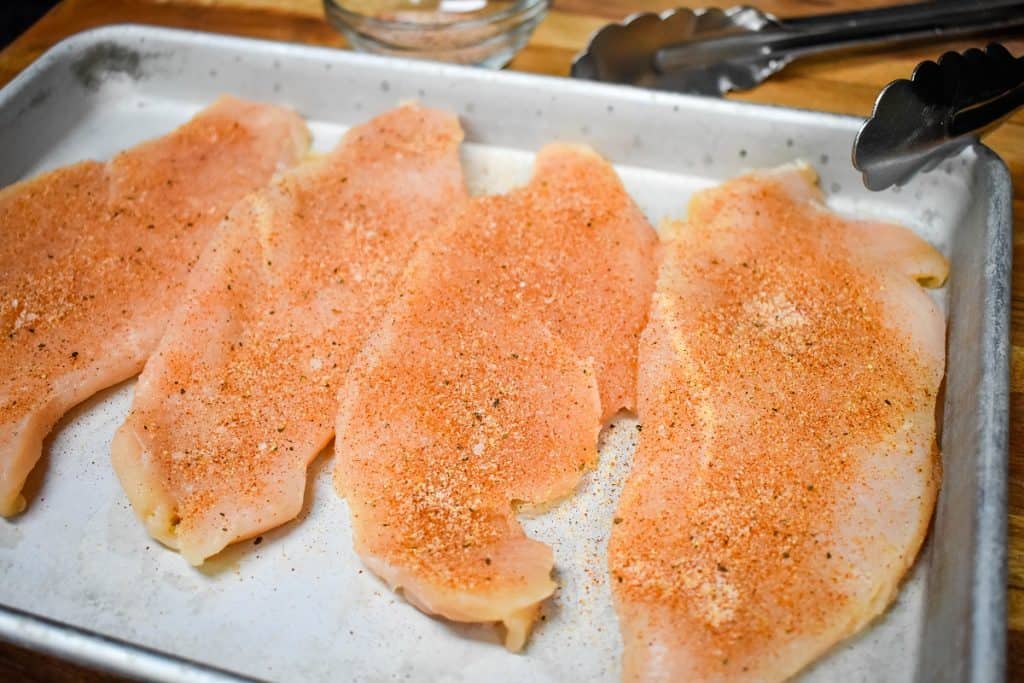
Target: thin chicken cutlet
<point x="94" y="257"/>
<point x="787" y="468"/>
<point x="514" y="335"/>
<point x="241" y="393"/>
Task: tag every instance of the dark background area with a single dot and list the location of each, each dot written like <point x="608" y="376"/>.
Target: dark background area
<point x="18" y="15"/>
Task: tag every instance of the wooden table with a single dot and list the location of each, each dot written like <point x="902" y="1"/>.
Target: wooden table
<point x="846" y="84"/>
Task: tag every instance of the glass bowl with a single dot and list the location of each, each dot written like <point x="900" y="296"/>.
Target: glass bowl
<point x="479" y="32"/>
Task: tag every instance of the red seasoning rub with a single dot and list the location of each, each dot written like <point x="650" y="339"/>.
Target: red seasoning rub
<point x="94" y="256"/>
<point x="787" y="468"/>
<point x="514" y="335"/>
<point x="241" y="393"/>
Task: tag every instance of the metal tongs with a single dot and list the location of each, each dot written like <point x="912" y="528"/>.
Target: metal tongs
<point x="946" y="105"/>
<point x="712" y="51"/>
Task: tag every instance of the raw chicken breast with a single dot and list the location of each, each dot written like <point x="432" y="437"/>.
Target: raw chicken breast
<point x="94" y="257"/>
<point x="787" y="467"/>
<point x="481" y="390"/>
<point x="241" y="393"/>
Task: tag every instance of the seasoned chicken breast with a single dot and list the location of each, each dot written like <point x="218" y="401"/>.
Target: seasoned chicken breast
<point x="94" y="257"/>
<point x="787" y="468"/>
<point x="514" y="334"/>
<point x="241" y="393"/>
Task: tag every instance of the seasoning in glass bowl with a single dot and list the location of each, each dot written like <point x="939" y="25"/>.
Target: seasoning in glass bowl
<point x="479" y="32"/>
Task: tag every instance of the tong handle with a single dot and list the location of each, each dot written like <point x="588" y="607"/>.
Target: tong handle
<point x="911" y="15"/>
<point x="979" y="116"/>
<point x="791" y="38"/>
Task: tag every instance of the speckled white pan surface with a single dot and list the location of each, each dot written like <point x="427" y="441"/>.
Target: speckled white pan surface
<point x="299" y="605"/>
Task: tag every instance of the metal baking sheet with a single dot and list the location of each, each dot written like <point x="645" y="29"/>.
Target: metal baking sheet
<point x="81" y="578"/>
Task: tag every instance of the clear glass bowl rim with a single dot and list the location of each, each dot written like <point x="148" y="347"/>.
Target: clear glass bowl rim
<point x="517" y="8"/>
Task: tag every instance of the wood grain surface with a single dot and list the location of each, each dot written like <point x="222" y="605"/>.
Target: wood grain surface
<point x="844" y="84"/>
